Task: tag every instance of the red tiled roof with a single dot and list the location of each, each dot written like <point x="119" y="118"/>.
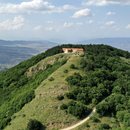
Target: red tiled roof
<point x="79" y="49"/>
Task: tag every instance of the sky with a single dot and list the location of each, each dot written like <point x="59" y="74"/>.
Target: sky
<point x="64" y="20"/>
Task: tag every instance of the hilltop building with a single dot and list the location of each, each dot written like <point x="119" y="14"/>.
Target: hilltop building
<point x="73" y="50"/>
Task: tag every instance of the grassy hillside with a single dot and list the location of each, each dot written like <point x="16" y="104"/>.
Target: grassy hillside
<point x="45" y="107"/>
<point x="32" y="90"/>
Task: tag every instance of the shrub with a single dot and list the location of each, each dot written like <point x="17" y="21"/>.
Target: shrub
<point x="103" y="126"/>
<point x="63" y="107"/>
<point x="61" y="56"/>
<point x="51" y="79"/>
<point x="23" y="115"/>
<point x="33" y="124"/>
<point x="94" y="101"/>
<point x="77" y="110"/>
<point x="49" y="66"/>
<point x="72" y="66"/>
<point x="65" y="71"/>
<point x="94" y="119"/>
<point x="69" y="95"/>
<point x="13" y="117"/>
<point x="87" y="125"/>
<point x="60" y="97"/>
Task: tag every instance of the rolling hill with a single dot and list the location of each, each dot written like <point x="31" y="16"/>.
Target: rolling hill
<point x="59" y="90"/>
<point x="14" y="52"/>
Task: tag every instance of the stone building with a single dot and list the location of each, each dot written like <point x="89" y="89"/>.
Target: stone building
<point x="73" y="50"/>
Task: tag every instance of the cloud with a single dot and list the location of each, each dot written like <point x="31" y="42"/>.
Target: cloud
<point x="16" y="24"/>
<point x="105" y="2"/>
<point x="29" y="7"/>
<point x="38" y="28"/>
<point x="111" y="23"/>
<point x="68" y="25"/>
<point x="110" y="13"/>
<point x="69" y="7"/>
<point x="114" y="26"/>
<point x="82" y="13"/>
<point x="128" y="26"/>
<point x="95" y="2"/>
<point x="91" y="21"/>
<point x="50" y="28"/>
<point x="49" y="22"/>
<point x="79" y="23"/>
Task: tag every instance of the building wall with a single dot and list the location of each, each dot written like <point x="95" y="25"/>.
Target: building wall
<point x="69" y="50"/>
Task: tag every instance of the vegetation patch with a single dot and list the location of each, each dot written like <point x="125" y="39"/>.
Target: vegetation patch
<point x="51" y="79"/>
<point x="33" y="124"/>
<point x="76" y="109"/>
<point x="60" y="97"/>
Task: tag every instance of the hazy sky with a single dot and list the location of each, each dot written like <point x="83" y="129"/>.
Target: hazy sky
<point x="70" y="20"/>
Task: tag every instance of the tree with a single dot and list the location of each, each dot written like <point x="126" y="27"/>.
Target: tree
<point x="94" y="101"/>
<point x="33" y="124"/>
<point x="63" y="107"/>
<point x="104" y="126"/>
<point x="126" y="121"/>
<point x="60" y="97"/>
<point x="72" y="66"/>
<point x="102" y="108"/>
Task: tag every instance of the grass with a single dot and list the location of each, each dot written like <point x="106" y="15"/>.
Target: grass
<point x="45" y="106"/>
<point x="49" y="60"/>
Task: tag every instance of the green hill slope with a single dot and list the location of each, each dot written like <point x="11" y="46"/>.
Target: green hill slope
<point x="30" y="90"/>
<point x="45" y="107"/>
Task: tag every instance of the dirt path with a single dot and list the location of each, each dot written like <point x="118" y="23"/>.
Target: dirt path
<point x="81" y="122"/>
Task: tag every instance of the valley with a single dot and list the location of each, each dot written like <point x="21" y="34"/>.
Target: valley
<point x="14" y="52"/>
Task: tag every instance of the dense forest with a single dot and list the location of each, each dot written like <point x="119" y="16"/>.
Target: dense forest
<point x="106" y="74"/>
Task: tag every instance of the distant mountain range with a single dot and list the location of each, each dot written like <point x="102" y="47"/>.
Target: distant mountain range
<point x="14" y="52"/>
<point x="40" y="46"/>
<point x="121" y="43"/>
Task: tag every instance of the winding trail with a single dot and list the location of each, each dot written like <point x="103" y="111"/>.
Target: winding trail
<point x="81" y="122"/>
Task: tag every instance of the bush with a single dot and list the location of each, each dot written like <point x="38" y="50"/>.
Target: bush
<point x="33" y="124"/>
<point x="63" y="107"/>
<point x="72" y="66"/>
<point x="77" y="110"/>
<point x="65" y="71"/>
<point x="51" y="79"/>
<point x="94" y="119"/>
<point x="13" y="117"/>
<point x="23" y="115"/>
<point x="94" y="101"/>
<point x="103" y="126"/>
<point x="49" y="66"/>
<point x="69" y="95"/>
<point x="87" y="125"/>
<point x="60" y="97"/>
